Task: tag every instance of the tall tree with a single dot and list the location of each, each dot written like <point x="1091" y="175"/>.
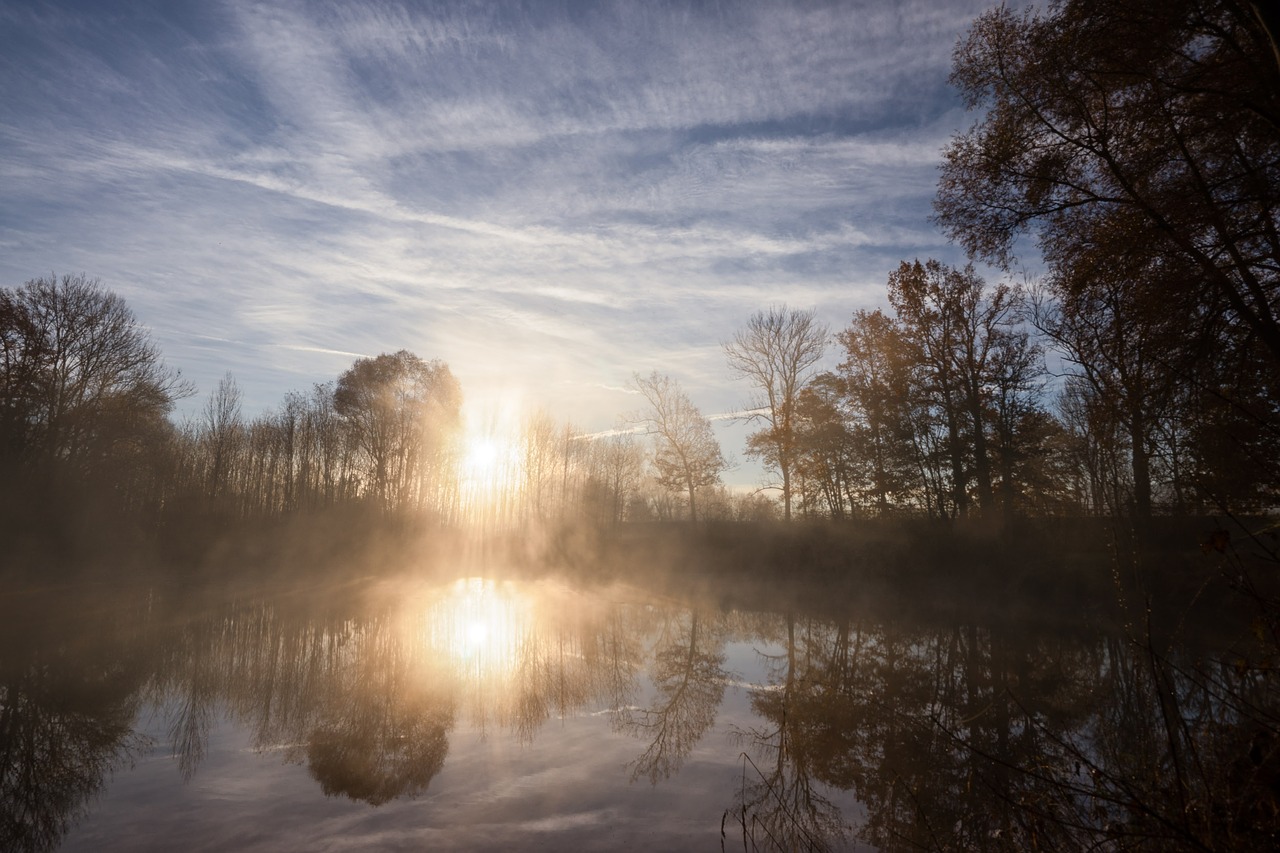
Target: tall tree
<point x="21" y="353"/>
<point x="539" y="460"/>
<point x="955" y="328"/>
<point x="1114" y="329"/>
<point x="776" y="353"/>
<point x="1021" y="425"/>
<point x="616" y="464"/>
<point x="825" y="447"/>
<point x="875" y="376"/>
<point x="1160" y="118"/>
<point x="82" y="382"/>
<point x="686" y="453"/>
<point x="223" y="430"/>
<point x="402" y="413"/>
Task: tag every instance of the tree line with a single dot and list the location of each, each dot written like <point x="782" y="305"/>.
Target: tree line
<point x="1138" y="143"/>
<point x="941" y="406"/>
<point x="86" y="406"/>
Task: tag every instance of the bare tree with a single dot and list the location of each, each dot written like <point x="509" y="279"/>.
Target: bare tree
<point x="538" y="450"/>
<point x="614" y="463"/>
<point x="776" y="352"/>
<point x="223" y="430"/>
<point x="687" y="455"/>
<point x="623" y="465"/>
<point x="82" y="380"/>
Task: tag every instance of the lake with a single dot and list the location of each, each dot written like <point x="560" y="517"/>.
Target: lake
<point x="487" y="714"/>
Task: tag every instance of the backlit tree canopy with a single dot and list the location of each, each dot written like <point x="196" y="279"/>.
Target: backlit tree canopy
<point x="1157" y="119"/>
<point x="402" y="413"/>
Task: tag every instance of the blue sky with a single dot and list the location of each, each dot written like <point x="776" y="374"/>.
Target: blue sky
<point x="549" y="196"/>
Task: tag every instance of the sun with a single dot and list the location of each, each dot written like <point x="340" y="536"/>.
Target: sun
<point x="479" y="627"/>
<point x="488" y="467"/>
<point x="481" y="457"/>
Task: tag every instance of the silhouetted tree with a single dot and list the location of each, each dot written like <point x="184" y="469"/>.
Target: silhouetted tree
<point x="82" y="380"/>
<point x="875" y="380"/>
<point x="1020" y="424"/>
<point x="21" y="354"/>
<point x="1156" y="118"/>
<point x="402" y="413"/>
<point x="1110" y="332"/>
<point x="953" y="330"/>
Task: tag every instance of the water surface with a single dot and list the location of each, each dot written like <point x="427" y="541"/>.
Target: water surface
<point x="479" y="713"/>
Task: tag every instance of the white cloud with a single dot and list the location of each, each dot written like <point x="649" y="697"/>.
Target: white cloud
<point x="547" y="201"/>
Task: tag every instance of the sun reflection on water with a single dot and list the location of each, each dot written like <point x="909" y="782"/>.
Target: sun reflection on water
<point x="479" y="626"/>
<point x="511" y="653"/>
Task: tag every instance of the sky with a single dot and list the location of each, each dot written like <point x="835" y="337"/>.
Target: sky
<point x="550" y="197"/>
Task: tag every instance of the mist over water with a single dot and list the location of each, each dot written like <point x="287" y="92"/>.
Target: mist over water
<point x="417" y="709"/>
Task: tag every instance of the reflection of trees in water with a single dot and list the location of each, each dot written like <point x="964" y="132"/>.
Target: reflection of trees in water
<point x="952" y="735"/>
<point x="967" y="737"/>
<point x="551" y="677"/>
<point x="922" y="788"/>
<point x="192" y="689"/>
<point x="617" y="651"/>
<point x="364" y="695"/>
<point x="66" y="722"/>
<point x="367" y="700"/>
<point x="1180" y="753"/>
<point x="779" y="804"/>
<point x="382" y="730"/>
<point x="519" y="663"/>
<point x="689" y="678"/>
<point x="354" y="698"/>
<point x="917" y="723"/>
<point x="378" y="759"/>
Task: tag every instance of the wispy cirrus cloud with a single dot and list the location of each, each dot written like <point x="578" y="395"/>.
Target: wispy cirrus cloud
<point x="550" y="197"/>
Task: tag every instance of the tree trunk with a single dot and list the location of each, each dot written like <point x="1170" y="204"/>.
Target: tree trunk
<point x="1141" y="466"/>
<point x="959" y="482"/>
<point x="786" y="490"/>
<point x="1006" y="476"/>
<point x="981" y="464"/>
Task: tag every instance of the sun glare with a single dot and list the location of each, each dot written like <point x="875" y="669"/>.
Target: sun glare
<point x="479" y="626"/>
<point x="488" y="464"/>
<point x="482" y="456"/>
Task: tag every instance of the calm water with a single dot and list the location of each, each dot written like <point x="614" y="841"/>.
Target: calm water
<point x="482" y="714"/>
